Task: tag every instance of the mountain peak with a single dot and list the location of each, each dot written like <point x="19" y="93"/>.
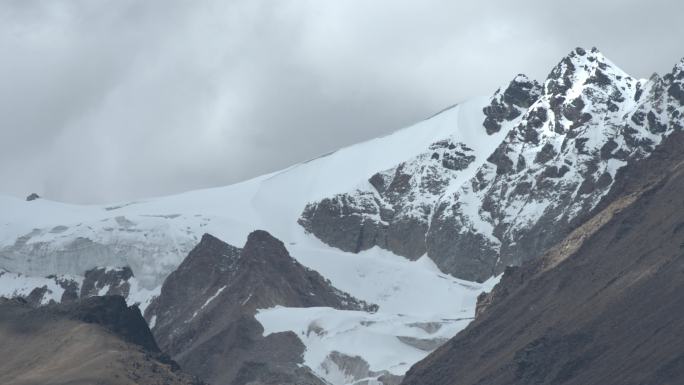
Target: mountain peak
<point x="210" y="240"/>
<point x="262" y="236"/>
<point x="522" y="91"/>
<point x="521" y="78"/>
<point x="678" y="70"/>
<point x="211" y="251"/>
<point x="582" y="67"/>
<point x="680" y="64"/>
<point x="204" y="314"/>
<point x="262" y="245"/>
<point x="676" y="80"/>
<point x="580" y="54"/>
<point x="509" y="103"/>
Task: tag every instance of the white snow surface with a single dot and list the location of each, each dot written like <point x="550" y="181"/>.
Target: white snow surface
<point x="19" y="285"/>
<point x="152" y="236"/>
<point x="208" y="301"/>
<point x="375" y="337"/>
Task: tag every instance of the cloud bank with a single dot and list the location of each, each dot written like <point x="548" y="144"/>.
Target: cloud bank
<point x="109" y="101"/>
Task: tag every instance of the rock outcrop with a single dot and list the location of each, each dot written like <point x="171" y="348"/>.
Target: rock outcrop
<point x="32" y="197"/>
<point x="99" y="281"/>
<point x="204" y="316"/>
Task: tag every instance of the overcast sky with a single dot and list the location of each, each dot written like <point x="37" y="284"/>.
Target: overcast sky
<point x="108" y="101"/>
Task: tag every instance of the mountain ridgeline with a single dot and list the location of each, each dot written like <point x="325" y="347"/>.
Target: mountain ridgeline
<point x="378" y="260"/>
<point x="564" y="142"/>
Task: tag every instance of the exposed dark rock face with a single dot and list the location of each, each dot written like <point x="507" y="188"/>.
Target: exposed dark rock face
<point x="32" y="197"/>
<point x="38" y="293"/>
<point x="204" y="316"/>
<point x="344" y="221"/>
<point x="95" y="282"/>
<point x="97" y="340"/>
<point x="106" y="281"/>
<point x="568" y="167"/>
<point x="71" y="290"/>
<point x="558" y="160"/>
<point x="675" y="82"/>
<point x="598" y="308"/>
<point x="395" y="215"/>
<point x="35" y="297"/>
<point x="510" y="103"/>
<point x="112" y="313"/>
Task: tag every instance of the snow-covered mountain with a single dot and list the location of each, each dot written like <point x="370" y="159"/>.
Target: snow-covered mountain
<point x="416" y="301"/>
<point x="409" y="222"/>
<point x="544" y="158"/>
<point x="601" y="307"/>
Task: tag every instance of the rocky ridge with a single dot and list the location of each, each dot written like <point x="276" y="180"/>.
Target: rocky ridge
<point x="98" y="281"/>
<point x="204" y="316"/>
<point x="598" y="308"/>
<point x="564" y="142"/>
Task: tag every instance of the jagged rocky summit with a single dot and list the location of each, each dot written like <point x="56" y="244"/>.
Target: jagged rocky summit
<point x="475" y="213"/>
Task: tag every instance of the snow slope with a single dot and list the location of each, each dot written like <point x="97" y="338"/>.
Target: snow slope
<point x="377" y="338"/>
<point x="563" y="143"/>
<point x="484" y="189"/>
<point x="152" y="236"/>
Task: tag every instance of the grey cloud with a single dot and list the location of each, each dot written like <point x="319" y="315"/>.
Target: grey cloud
<point x="103" y="101"/>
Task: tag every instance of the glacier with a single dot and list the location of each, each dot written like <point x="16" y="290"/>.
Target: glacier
<point x="152" y="236"/>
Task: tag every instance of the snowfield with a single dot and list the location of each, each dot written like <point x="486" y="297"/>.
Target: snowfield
<point x="152" y="236"/>
<point x="552" y="153"/>
<point x="377" y="338"/>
